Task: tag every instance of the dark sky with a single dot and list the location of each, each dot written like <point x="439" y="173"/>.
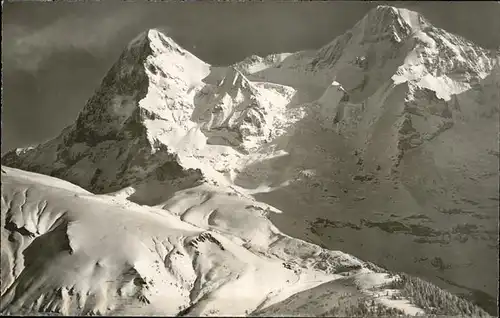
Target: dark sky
<point x="55" y="54"/>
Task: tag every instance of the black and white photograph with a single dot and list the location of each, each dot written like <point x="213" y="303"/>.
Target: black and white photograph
<point x="250" y="158"/>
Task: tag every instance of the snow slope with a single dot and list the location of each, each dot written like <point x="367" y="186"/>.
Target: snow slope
<point x="67" y="251"/>
<point x="385" y="139"/>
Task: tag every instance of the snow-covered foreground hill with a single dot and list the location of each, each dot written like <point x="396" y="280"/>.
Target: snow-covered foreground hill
<point x="208" y="252"/>
<point x="382" y="144"/>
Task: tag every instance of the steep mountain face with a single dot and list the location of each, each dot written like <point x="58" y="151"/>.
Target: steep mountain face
<point x="403" y="45"/>
<point x="403" y="148"/>
<point x="390" y="52"/>
<point x="133" y="124"/>
<point x="388" y="135"/>
<point x="237" y="112"/>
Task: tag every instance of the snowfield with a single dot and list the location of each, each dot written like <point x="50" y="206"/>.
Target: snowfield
<point x="67" y="251"/>
<point x="191" y="189"/>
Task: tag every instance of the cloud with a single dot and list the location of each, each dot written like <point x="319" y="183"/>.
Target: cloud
<point x="26" y="48"/>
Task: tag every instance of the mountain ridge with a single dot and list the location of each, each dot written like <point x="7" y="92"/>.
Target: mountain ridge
<point x="63" y="262"/>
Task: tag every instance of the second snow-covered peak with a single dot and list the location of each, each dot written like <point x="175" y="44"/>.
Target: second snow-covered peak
<point x="399" y="44"/>
<point x="389" y="15"/>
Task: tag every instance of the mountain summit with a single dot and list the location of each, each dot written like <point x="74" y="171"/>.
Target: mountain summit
<point x="399" y="44"/>
<point x="143" y="104"/>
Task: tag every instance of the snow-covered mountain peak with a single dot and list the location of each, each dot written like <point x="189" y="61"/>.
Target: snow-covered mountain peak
<point x="150" y="80"/>
<point x="384" y="14"/>
<point x="387" y="20"/>
<point x="399" y="44"/>
<point x="157" y="41"/>
<point x="134" y="121"/>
